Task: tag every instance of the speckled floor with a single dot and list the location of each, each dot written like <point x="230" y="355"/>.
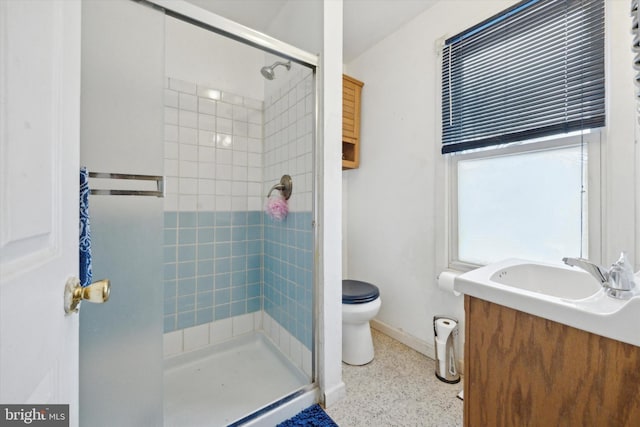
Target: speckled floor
<point x="398" y="388"/>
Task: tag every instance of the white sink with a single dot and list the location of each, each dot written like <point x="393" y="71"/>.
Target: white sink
<point x="557" y="292"/>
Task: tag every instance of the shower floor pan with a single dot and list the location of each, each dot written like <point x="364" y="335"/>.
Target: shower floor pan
<point x="217" y="385"/>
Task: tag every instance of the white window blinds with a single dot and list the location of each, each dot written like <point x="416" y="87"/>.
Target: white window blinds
<point x="534" y="70"/>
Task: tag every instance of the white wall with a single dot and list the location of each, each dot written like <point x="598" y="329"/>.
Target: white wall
<point x="200" y="56"/>
<point x="395" y="217"/>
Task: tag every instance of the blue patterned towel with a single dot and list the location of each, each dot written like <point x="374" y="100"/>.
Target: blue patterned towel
<point x="85" y="230"/>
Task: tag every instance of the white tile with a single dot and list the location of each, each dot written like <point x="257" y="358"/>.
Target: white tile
<point x="254" y="203"/>
<point x="254" y="116"/>
<point x="240" y="128"/>
<point x="187" y="203"/>
<point x="223" y="171"/>
<point x="206" y="154"/>
<point x="239" y="203"/>
<point x="170" y="98"/>
<point x="223" y="188"/>
<point x="207" y="186"/>
<point x="170" y="133"/>
<point x="242" y="324"/>
<point x="188" y="102"/>
<point x="188" y="169"/>
<point x="257" y="320"/>
<point x="254" y="189"/>
<point x="182" y="86"/>
<point x="196" y="337"/>
<point x="206" y="138"/>
<point x="240" y="158"/>
<point x="224" y="125"/>
<point x="207" y="92"/>
<point x="188" y="119"/>
<point x="221" y="330"/>
<point x="188" y="135"/>
<point x="170" y="116"/>
<point x="224" y="110"/>
<point x="224" y="140"/>
<point x="253" y="103"/>
<point x="171" y="202"/>
<point x="239" y="173"/>
<point x="188" y="186"/>
<point x="240" y="113"/>
<point x="171" y="167"/>
<point x="255" y="145"/>
<point x="172" y="343"/>
<point x="232" y="98"/>
<point x="239" y="188"/>
<point x="223" y="203"/>
<point x="206" y="202"/>
<point x="254" y="160"/>
<point x="240" y="143"/>
<point x="206" y="106"/>
<point x="206" y="122"/>
<point x="295" y="352"/>
<point x="171" y="150"/>
<point x="285" y="340"/>
<point x="255" y="131"/>
<point x="189" y="152"/>
<point x="307" y="361"/>
<point x="224" y="157"/>
<point x="206" y="170"/>
<point x="171" y="185"/>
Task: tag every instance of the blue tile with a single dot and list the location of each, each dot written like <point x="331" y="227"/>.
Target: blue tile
<point x="170" y="236"/>
<point x="253" y="276"/>
<point x="206" y="219"/>
<point x="223" y="219"/>
<point x="186" y="320"/>
<point x="223" y="250"/>
<point x="254" y="247"/>
<point x="254" y="232"/>
<point x="238" y="263"/>
<point x="239" y="218"/>
<point x="239" y="278"/>
<point x="187" y="219"/>
<point x="222" y="312"/>
<point x="169" y="254"/>
<point x="205" y="251"/>
<point x="170" y="288"/>
<point x="222" y="296"/>
<point x="186" y="269"/>
<point x="253" y="290"/>
<point x="253" y="305"/>
<point x="205" y="267"/>
<point x="170" y="219"/>
<point x="254" y="218"/>
<point x="204" y="283"/>
<point x="186" y="303"/>
<point x="170" y="306"/>
<point x="238" y="234"/>
<point x="187" y="236"/>
<point x="239" y="248"/>
<point x="170" y="271"/>
<point x="223" y="234"/>
<point x="205" y="235"/>
<point x="223" y="265"/>
<point x="254" y="261"/>
<point x="239" y="293"/>
<point x="238" y="308"/>
<point x="222" y="281"/>
<point x="186" y="253"/>
<point x="204" y="299"/>
<point x="170" y="323"/>
<point x="186" y="286"/>
<point x="204" y="315"/>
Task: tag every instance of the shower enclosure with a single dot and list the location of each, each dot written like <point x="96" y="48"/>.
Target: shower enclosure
<point x="212" y="306"/>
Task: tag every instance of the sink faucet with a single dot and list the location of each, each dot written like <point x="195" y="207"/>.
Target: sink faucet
<point x="617" y="281"/>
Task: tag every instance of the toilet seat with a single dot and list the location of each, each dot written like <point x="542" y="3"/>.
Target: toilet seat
<point x="358" y="292"/>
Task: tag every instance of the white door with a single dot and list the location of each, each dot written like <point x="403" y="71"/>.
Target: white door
<point x="39" y="161"/>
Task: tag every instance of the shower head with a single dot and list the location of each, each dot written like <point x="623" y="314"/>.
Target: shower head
<point x="268" y="73"/>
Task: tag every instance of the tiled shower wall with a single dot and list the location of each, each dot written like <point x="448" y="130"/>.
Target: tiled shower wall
<point x="288" y="245"/>
<point x="213" y="205"/>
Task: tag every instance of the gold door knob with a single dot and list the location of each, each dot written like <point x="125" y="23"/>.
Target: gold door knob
<point x="97" y="292"/>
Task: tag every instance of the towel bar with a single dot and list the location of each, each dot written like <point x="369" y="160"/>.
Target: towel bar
<point x="102" y="175"/>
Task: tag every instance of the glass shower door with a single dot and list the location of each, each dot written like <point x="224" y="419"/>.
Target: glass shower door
<point x="122" y="132"/>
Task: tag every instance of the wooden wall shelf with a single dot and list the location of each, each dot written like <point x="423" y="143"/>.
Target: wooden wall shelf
<point x="351" y="93"/>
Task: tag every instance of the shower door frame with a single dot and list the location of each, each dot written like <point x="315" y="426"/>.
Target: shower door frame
<point x="207" y="20"/>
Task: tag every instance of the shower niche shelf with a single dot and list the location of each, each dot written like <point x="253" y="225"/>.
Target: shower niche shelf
<point x="351" y="91"/>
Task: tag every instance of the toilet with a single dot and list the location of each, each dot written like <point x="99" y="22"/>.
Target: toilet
<point x="360" y="303"/>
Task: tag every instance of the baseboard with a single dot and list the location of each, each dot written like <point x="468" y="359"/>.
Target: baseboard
<point x="334" y="394"/>
<point x="410" y="341"/>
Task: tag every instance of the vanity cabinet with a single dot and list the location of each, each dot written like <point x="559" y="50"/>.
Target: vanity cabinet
<point x="351" y="92"/>
<point x="523" y="370"/>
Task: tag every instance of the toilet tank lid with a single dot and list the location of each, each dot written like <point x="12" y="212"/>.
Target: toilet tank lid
<point x="358" y="292"/>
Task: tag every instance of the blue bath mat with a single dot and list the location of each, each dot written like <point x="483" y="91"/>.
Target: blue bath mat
<point x="312" y="416"/>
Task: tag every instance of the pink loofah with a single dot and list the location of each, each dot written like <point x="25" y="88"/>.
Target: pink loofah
<point x="276" y="206"/>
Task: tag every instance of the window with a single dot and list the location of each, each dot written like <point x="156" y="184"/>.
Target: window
<point x="522" y="104"/>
